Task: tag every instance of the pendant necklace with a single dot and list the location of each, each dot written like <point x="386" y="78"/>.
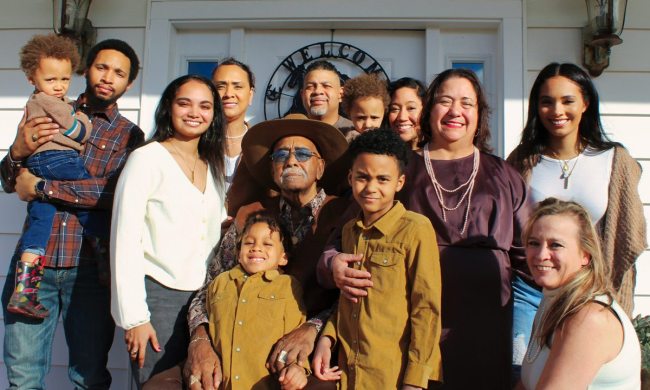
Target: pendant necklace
<point x="567" y="170"/>
<point x="185" y="161"/>
<point x="439" y="189"/>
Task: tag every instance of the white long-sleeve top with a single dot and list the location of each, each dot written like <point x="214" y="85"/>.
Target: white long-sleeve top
<point x="163" y="227"/>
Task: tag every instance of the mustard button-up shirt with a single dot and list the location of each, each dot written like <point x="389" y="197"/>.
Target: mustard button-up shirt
<point x="248" y="314"/>
<point x="390" y="337"/>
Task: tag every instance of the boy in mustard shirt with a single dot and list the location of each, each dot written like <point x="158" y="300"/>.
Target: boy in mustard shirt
<point x="388" y="339"/>
<point x="251" y="306"/>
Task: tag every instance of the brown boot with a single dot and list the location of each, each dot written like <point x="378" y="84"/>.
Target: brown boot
<point x="24" y="300"/>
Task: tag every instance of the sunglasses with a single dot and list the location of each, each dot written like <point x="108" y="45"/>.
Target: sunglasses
<point x="281" y="156"/>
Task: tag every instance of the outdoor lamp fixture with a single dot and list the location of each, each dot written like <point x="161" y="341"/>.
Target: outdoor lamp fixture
<point x="606" y="21"/>
<point x="71" y="20"/>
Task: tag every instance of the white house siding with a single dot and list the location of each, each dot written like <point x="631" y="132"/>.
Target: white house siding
<point x="552" y="33"/>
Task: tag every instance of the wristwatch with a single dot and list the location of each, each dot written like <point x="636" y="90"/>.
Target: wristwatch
<point x="40" y="189"/>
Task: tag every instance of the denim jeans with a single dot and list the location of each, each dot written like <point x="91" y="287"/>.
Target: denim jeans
<point x="526" y="301"/>
<point x="84" y="304"/>
<point x="57" y="165"/>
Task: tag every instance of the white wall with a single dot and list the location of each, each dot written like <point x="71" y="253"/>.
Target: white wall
<point x="555" y="35"/>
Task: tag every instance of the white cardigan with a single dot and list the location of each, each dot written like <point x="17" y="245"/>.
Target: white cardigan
<point x="163" y="227"/>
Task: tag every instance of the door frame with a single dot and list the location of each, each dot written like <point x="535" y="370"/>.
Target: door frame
<point x="506" y="17"/>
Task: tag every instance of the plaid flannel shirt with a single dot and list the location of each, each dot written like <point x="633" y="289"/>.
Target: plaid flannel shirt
<point x="104" y="155"/>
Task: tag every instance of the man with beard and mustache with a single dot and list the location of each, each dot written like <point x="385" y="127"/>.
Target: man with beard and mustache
<point x="289" y="155"/>
<point x="75" y="279"/>
<point x="322" y="93"/>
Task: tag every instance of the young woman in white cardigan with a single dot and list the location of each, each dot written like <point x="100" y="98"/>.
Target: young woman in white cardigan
<point x="169" y="205"/>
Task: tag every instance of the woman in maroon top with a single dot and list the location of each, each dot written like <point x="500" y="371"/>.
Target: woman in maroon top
<point x="477" y="205"/>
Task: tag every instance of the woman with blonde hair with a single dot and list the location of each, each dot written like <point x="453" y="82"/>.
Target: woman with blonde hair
<point x="581" y="337"/>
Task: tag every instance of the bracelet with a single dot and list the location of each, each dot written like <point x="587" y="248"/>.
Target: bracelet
<point x="317" y="323"/>
<point x="14" y="163"/>
<point x="199" y="338"/>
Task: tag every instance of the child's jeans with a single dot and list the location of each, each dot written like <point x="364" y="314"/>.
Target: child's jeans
<point x="57" y="165"/>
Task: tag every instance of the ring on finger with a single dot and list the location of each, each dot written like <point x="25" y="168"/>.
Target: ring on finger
<point x="34" y="137"/>
<point x="282" y="357"/>
<point x="194" y="379"/>
<point x="134" y="352"/>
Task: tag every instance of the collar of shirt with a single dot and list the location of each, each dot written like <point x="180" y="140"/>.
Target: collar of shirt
<point x="307" y="213"/>
<point x="238" y="273"/>
<point x="111" y="113"/>
<point x="387" y="223"/>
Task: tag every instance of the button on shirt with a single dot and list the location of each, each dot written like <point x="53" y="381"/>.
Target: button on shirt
<point x="248" y="314"/>
<point x="399" y="320"/>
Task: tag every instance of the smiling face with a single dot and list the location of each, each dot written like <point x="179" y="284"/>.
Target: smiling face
<point x="404" y="114"/>
<point x="235" y="90"/>
<point x="52" y="76"/>
<point x="561" y="105"/>
<point x="367" y="113"/>
<point x="107" y="78"/>
<point x="321" y="94"/>
<point x="375" y="178"/>
<point x="261" y="249"/>
<point x="192" y="110"/>
<point x="553" y="250"/>
<point x="454" y="115"/>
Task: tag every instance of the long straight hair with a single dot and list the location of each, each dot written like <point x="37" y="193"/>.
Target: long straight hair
<point x="589" y="282"/>
<point x="535" y="138"/>
<point x="211" y="143"/>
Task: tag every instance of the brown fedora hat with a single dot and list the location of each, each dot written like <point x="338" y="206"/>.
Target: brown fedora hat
<point x="258" y="142"/>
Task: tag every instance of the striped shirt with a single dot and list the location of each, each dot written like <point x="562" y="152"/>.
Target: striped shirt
<point x="104" y="155"/>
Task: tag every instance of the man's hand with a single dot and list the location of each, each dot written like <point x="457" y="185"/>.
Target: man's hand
<point x="352" y="282"/>
<point x="26" y="185"/>
<point x="202" y="368"/>
<point x="322" y="359"/>
<point x="293" y="377"/>
<point x="297" y="346"/>
<point x="31" y="134"/>
<point x="136" y="340"/>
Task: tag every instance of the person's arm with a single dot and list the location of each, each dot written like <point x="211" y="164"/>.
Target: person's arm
<point x="128" y="296"/>
<point x="42" y="129"/>
<point x="574" y="359"/>
<point x="423" y="270"/>
<point x="294" y="375"/>
<point x="323" y="353"/>
<point x="202" y="361"/>
<point x="522" y="207"/>
<point x="96" y="192"/>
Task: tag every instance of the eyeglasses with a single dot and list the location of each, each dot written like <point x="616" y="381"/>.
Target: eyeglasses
<point x="281" y="156"/>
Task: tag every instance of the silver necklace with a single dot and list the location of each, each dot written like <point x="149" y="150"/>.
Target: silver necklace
<point x="439" y="189"/>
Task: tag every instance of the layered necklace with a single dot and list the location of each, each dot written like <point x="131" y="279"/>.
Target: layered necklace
<point x="440" y="190"/>
<point x="187" y="165"/>
<point x="567" y="170"/>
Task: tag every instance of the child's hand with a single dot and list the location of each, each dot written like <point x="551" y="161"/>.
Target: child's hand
<point x="293" y="377"/>
<point x="321" y="361"/>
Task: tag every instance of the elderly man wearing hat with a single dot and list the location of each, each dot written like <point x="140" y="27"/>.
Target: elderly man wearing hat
<point x="290" y="156"/>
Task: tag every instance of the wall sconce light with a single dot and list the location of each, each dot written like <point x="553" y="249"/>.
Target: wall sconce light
<point x="71" y="20"/>
<point x="606" y="22"/>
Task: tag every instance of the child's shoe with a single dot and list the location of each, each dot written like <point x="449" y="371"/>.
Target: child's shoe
<point x="24" y="300"/>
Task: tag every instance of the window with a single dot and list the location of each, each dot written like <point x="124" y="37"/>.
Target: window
<point x="477" y="67"/>
<point x="203" y="68"/>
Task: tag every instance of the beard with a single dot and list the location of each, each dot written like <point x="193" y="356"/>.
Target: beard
<point x="99" y="101"/>
<point x="318" y="111"/>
